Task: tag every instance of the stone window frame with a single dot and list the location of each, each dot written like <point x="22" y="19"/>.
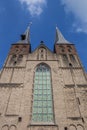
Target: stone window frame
<point x="42" y="122"/>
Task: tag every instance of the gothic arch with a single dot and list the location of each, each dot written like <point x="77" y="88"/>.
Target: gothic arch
<point x="13" y="127"/>
<point x="80" y="127"/>
<point x="72" y="127"/>
<point x="5" y="127"/>
<point x="42" y="63"/>
<point x="42" y="110"/>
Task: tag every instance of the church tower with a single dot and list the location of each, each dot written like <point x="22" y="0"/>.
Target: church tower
<point x="43" y="89"/>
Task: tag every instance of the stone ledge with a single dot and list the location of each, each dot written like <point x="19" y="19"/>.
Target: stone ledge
<point x="11" y="85"/>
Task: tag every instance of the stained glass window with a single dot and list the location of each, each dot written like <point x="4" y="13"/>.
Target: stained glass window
<point x="42" y="98"/>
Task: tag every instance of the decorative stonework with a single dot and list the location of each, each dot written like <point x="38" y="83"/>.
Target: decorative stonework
<point x="11" y="85"/>
<point x="19" y="91"/>
<point x="42" y="54"/>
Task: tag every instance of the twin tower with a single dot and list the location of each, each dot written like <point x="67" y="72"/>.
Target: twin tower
<point x="43" y="90"/>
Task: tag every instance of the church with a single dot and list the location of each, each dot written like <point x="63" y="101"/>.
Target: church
<point x="43" y="89"/>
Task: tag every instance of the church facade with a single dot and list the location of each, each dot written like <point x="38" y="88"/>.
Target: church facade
<point x="43" y="89"/>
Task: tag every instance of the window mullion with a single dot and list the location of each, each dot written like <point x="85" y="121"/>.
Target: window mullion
<point x="43" y="111"/>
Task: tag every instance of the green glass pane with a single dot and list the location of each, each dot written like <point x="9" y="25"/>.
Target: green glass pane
<point x="34" y="117"/>
<point x="44" y="86"/>
<point x="37" y="73"/>
<point x="44" y="103"/>
<point x="48" y="86"/>
<point x="40" y="73"/>
<point x="44" y="91"/>
<point x="44" y="97"/>
<point x="36" y="77"/>
<point x="40" y="82"/>
<point x="49" y="97"/>
<point x="44" y="118"/>
<point x="48" y="77"/>
<point x="40" y="77"/>
<point x="35" y="97"/>
<point x="48" y="91"/>
<point x="40" y="86"/>
<point x="36" y="91"/>
<point x="40" y="92"/>
<point x="44" y="73"/>
<point x="36" y="81"/>
<point x="44" y="81"/>
<point x="50" y="117"/>
<point x="40" y="97"/>
<point x="44" y="110"/>
<point x="35" y="86"/>
<point x="39" y="118"/>
<point x="44" y="77"/>
<point x="48" y="73"/>
<point x="48" y="81"/>
<point x="40" y="110"/>
<point x="35" y="103"/>
<point x="49" y="103"/>
<point x="50" y="110"/>
<point x="35" y="110"/>
<point x="40" y="104"/>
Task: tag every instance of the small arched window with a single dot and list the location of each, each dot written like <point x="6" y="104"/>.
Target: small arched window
<point x="13" y="58"/>
<point x="72" y="58"/>
<point x="65" y="60"/>
<point x="20" y="57"/>
<point x="42" y="98"/>
<point x="69" y="48"/>
<point x="42" y="53"/>
<point x="62" y="48"/>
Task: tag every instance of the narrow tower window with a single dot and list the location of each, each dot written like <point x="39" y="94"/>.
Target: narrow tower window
<point x="72" y="58"/>
<point x="13" y="58"/>
<point x="20" y="57"/>
<point x="42" y="99"/>
<point x="62" y="49"/>
<point x="65" y="59"/>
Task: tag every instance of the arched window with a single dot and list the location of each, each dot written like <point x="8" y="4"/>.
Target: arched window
<point x="72" y="58"/>
<point x="62" y="48"/>
<point x="42" y="98"/>
<point x="65" y="60"/>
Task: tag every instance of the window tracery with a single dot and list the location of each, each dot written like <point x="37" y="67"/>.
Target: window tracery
<point x="42" y="98"/>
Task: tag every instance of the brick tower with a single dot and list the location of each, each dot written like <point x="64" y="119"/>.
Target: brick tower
<point x="43" y="89"/>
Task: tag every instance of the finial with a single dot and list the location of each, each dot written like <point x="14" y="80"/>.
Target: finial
<point x="56" y="26"/>
<point x="29" y="25"/>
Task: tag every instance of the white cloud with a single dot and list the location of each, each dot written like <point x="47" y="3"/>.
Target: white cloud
<point x="79" y="9"/>
<point x="35" y="7"/>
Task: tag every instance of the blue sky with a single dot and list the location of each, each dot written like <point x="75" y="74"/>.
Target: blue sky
<point x="69" y="15"/>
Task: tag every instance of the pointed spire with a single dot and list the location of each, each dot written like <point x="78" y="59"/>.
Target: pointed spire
<point x="60" y="38"/>
<point x="25" y="38"/>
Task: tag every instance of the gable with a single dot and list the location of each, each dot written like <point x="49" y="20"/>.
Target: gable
<point x="42" y="53"/>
